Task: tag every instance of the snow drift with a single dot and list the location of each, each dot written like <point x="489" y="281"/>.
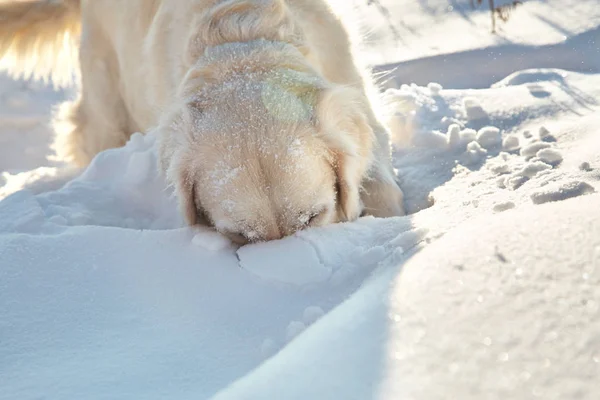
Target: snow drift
<point x="488" y="289"/>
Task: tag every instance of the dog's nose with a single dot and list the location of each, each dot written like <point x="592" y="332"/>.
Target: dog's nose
<point x="273" y="235"/>
<point x="273" y="232"/>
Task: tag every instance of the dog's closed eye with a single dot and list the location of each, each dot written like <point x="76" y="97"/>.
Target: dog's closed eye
<point x="314" y="217"/>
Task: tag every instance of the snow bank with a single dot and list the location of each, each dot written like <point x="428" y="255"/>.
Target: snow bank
<point x="106" y="295"/>
<point x="514" y="316"/>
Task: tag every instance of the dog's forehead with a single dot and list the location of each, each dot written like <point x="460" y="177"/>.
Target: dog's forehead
<point x="264" y="168"/>
<point x="287" y="182"/>
<point x="284" y="148"/>
<point x="264" y="109"/>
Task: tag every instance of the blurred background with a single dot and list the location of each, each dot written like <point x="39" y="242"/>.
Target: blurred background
<point x="474" y="43"/>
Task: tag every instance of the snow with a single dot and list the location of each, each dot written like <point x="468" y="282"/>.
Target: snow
<point x="531" y="169"/>
<point x="474" y="154"/>
<point x="562" y="191"/>
<point x="489" y="137"/>
<point x="585" y="166"/>
<point x="487" y="289"/>
<point x="449" y="35"/>
<point x="468" y="135"/>
<point x="504" y="206"/>
<point x="210" y="240"/>
<point x="510" y="143"/>
<point x="453" y="136"/>
<point x="543" y="133"/>
<point x="312" y="314"/>
<point x="532" y="149"/>
<point x="294" y="329"/>
<point x="535" y="23"/>
<point x="511" y="317"/>
<point x="549" y="156"/>
<point x="473" y="109"/>
<point x="434" y="88"/>
<point x="271" y="261"/>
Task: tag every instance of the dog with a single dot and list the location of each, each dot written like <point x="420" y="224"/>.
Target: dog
<point x="264" y="121"/>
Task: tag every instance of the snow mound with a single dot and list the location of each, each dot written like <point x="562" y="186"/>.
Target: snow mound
<point x="549" y="156"/>
<point x="473" y="110"/>
<point x="104" y="263"/>
<point x="434" y="88"/>
<point x="532" y="149"/>
<point x="438" y="328"/>
<point x="474" y="154"/>
<point x="562" y="191"/>
<point x="500" y="207"/>
<point x="103" y="287"/>
<point x="532" y="76"/>
<point x="510" y="143"/>
<point x="489" y="137"/>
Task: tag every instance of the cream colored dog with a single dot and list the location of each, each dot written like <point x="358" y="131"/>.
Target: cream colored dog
<point x="263" y="120"/>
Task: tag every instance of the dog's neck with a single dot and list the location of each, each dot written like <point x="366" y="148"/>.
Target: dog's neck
<point x="255" y="60"/>
<point x="243" y="42"/>
<point x="253" y="56"/>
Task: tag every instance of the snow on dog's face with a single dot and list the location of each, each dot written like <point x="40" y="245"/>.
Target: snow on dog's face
<point x="259" y="163"/>
<point x="266" y="190"/>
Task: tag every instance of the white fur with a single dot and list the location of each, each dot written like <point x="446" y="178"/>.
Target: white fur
<point x="264" y="119"/>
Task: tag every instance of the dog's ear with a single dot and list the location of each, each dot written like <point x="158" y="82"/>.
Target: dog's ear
<point x="194" y="101"/>
<point x="178" y="169"/>
<point x="185" y="185"/>
<point x="185" y="189"/>
<point x="343" y="124"/>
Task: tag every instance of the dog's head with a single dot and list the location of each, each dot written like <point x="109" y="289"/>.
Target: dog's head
<point x="260" y="160"/>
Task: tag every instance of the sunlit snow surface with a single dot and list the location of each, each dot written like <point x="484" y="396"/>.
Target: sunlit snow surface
<point x="487" y="290"/>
